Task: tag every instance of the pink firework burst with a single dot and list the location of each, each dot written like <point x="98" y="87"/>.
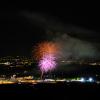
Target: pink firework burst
<point x="47" y="63"/>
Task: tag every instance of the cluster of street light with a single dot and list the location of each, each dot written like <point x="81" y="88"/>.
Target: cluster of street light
<point x="30" y="79"/>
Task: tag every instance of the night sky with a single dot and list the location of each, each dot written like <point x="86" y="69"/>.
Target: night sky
<point x="23" y="27"/>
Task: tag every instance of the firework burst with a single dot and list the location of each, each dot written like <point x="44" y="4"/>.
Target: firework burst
<point x="44" y="48"/>
<point x="47" y="63"/>
<point x="46" y="55"/>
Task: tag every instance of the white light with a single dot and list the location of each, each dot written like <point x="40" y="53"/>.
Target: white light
<point x="82" y="80"/>
<point x="90" y="79"/>
<point x="49" y="80"/>
<point x="7" y="63"/>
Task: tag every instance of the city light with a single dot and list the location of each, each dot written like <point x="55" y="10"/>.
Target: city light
<point x="90" y="79"/>
<point x="82" y="80"/>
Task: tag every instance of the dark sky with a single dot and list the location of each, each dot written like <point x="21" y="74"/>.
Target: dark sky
<point x="22" y="27"/>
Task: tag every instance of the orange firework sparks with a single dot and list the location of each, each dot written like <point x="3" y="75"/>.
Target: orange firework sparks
<point x="45" y="48"/>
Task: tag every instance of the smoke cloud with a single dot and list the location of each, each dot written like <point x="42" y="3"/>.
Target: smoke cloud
<point x="73" y="48"/>
<point x="61" y="33"/>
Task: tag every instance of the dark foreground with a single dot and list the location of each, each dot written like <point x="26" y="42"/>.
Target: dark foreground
<point x="50" y="90"/>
